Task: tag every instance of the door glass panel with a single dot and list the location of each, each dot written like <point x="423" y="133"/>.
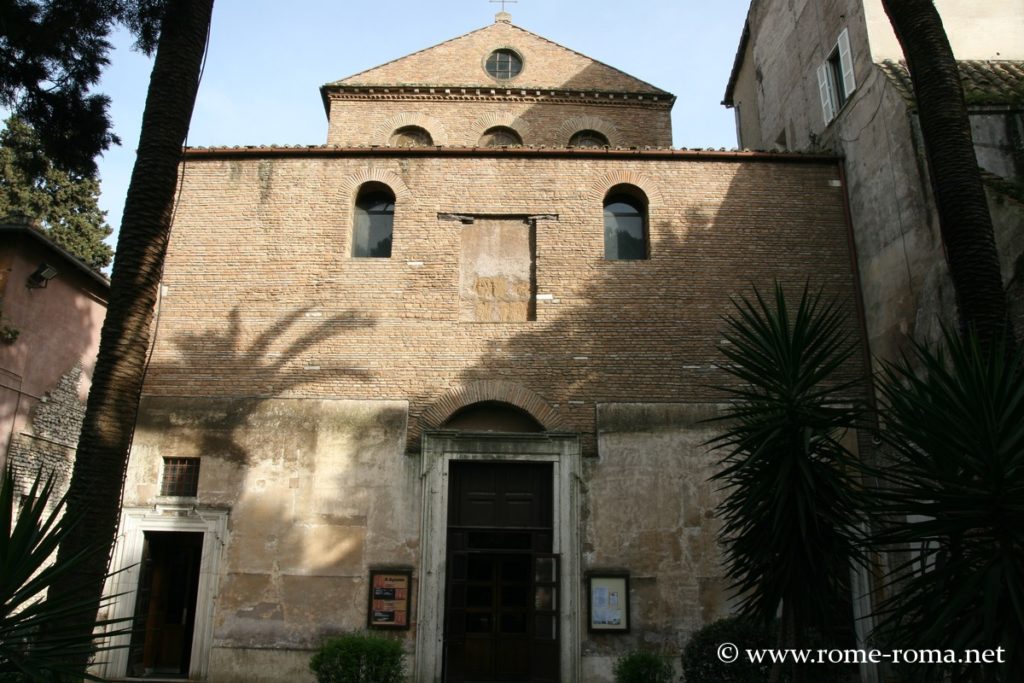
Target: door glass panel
<point x="514" y="596"/>
<point x="458" y="567"/>
<point x="499" y="540"/>
<point x="478" y="596"/>
<point x="544" y="626"/>
<point x="516" y="569"/>
<point x="513" y="622"/>
<point x="545" y="570"/>
<point x="480" y="568"/>
<point x="545" y="597"/>
<point x="478" y="622"/>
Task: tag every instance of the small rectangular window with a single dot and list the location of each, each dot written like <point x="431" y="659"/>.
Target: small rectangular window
<point x="181" y="477"/>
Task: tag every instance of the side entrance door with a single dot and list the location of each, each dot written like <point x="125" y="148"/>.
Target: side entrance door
<point x="165" y="606"/>
<point x="501" y="598"/>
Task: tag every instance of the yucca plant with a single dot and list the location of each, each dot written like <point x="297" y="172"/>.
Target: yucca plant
<point x="33" y="642"/>
<point x="790" y="515"/>
<point x="953" y="491"/>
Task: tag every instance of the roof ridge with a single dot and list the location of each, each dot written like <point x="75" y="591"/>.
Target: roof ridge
<point x="347" y="79"/>
<point x="596" y="61"/>
<point x="411" y="54"/>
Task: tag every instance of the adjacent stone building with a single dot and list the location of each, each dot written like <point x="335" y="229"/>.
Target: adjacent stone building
<point x="461" y="356"/>
<point x="828" y="77"/>
<point x="51" y="310"/>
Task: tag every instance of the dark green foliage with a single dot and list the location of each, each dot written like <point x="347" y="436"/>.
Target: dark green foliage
<point x="790" y="514"/>
<point x="700" y="657"/>
<point x="954" y="486"/>
<point x="643" y="667"/>
<point x="63" y="206"/>
<point x="359" y="658"/>
<point x="26" y="573"/>
<point x="52" y="53"/>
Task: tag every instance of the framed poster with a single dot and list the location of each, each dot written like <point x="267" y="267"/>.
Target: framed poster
<point x="389" y="598"/>
<point x="608" y="602"/>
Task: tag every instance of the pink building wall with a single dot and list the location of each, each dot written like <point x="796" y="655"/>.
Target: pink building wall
<point x="45" y="373"/>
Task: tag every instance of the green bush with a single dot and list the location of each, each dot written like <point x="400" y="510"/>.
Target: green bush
<point x="359" y="658"/>
<point x="642" y="667"/>
<point x="700" y="657"/>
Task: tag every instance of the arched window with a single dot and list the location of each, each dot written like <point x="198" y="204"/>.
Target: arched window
<point x="500" y="136"/>
<point x="625" y="223"/>
<point x="411" y="136"/>
<point x="374" y="221"/>
<point x="588" y="138"/>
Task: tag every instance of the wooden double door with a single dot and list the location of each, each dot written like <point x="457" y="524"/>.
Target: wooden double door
<point x="502" y="585"/>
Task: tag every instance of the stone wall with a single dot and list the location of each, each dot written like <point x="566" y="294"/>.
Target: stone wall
<point x="50" y="446"/>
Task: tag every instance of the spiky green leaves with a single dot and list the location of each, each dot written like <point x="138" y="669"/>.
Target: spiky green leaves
<point x="32" y="640"/>
<point x="954" y="494"/>
<point x="790" y="514"/>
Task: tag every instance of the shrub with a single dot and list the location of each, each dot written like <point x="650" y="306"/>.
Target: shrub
<point x="701" y="657"/>
<point x="642" y="667"/>
<point x="359" y="658"/>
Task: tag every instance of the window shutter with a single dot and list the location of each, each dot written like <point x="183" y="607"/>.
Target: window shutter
<point x="846" y="63"/>
<point x="824" y="89"/>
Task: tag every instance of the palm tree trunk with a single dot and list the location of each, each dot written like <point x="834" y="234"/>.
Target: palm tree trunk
<point x="94" y="496"/>
<point x="964" y="219"/>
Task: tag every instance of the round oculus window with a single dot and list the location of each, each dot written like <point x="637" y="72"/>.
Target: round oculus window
<point x="504" y="64"/>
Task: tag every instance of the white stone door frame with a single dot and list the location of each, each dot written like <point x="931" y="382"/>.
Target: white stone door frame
<point x="127" y="561"/>
<point x="440" y="448"/>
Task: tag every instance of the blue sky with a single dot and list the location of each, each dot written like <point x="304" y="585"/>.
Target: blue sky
<point x="267" y="60"/>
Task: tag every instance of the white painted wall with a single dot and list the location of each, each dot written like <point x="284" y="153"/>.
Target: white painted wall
<point x="977" y="29"/>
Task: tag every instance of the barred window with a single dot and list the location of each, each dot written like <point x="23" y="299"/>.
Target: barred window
<point x="411" y="136"/>
<point x="504" y="64"/>
<point x="181" y="477"/>
<point x="500" y="136"/>
<point x="588" y="138"/>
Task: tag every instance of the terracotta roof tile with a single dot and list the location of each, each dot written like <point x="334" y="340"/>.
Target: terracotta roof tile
<point x="985" y="82"/>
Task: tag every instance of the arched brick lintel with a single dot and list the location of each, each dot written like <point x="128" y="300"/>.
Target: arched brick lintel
<point x="467" y="394"/>
<point x="599" y="189"/>
<point x="580" y="123"/>
<point x="352" y="183"/>
<point x="437" y="130"/>
<point x="494" y="119"/>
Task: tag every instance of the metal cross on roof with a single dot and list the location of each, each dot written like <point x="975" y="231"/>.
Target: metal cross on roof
<point x="505" y="2"/>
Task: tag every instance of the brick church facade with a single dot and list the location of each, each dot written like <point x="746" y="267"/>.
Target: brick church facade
<point x="468" y="345"/>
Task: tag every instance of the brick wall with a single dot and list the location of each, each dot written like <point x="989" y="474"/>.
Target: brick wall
<point x="446" y="90"/>
<point x="263" y="299"/>
<point x="460" y="62"/>
<point x="460" y="119"/>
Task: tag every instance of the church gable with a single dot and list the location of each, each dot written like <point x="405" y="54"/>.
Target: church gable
<point x="489" y="57"/>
